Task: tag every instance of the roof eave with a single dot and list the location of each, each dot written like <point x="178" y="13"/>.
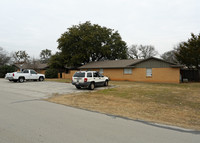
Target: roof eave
<point x="106" y="67"/>
<point x="176" y="66"/>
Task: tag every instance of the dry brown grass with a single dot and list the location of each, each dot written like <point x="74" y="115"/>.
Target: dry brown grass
<point x="172" y="104"/>
<point x="59" y="80"/>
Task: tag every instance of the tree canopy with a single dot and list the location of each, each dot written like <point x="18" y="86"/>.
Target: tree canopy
<point x="57" y="61"/>
<point x="45" y="55"/>
<point x="88" y="42"/>
<point x="188" y="53"/>
<point x="21" y="57"/>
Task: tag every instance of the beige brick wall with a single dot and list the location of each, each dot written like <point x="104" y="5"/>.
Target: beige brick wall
<point x="162" y="75"/>
<point x="67" y="75"/>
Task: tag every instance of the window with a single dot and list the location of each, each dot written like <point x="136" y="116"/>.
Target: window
<point x="25" y="71"/>
<point x="149" y="72"/>
<point x="100" y="75"/>
<point x="33" y="72"/>
<point x="79" y="74"/>
<point x="127" y="71"/>
<point x="100" y="71"/>
<point x="96" y="74"/>
<point x="89" y="74"/>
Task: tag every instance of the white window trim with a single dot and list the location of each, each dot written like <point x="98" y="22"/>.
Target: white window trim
<point x="148" y="72"/>
<point x="127" y="71"/>
<point x="101" y="71"/>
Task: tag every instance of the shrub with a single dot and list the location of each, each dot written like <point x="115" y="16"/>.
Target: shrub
<point x="51" y="73"/>
<point x="6" y="69"/>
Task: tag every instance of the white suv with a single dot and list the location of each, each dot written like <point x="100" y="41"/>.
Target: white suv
<point x="89" y="79"/>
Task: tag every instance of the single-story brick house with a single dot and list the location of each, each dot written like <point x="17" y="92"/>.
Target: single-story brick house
<point x="143" y="70"/>
<point x="38" y="67"/>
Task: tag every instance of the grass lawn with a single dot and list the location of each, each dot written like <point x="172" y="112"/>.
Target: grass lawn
<point x="172" y="104"/>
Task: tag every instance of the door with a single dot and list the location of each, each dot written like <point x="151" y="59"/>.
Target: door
<point x="98" y="79"/>
<point x="26" y="74"/>
<point x="33" y="75"/>
<point x="101" y="79"/>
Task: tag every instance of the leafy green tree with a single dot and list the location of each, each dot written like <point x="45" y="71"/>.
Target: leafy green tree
<point x="88" y="42"/>
<point x="6" y="69"/>
<point x="57" y="61"/>
<point x="188" y="53"/>
<point x="21" y="57"/>
<point x="45" y="55"/>
<point x="51" y="73"/>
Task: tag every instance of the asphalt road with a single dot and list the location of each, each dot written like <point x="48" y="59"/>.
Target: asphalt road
<point x="25" y="118"/>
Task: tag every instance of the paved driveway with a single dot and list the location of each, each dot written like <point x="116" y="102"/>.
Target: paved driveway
<point x="25" y="119"/>
<point x="37" y="89"/>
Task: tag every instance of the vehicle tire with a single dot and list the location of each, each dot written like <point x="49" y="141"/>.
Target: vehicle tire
<point x="41" y="78"/>
<point x="21" y="79"/>
<point x="91" y="87"/>
<point x="78" y="87"/>
<point x="106" y="83"/>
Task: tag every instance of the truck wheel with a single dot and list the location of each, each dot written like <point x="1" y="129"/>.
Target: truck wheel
<point x="106" y="83"/>
<point x="78" y="87"/>
<point x="41" y="79"/>
<point x="91" y="86"/>
<point x="21" y="79"/>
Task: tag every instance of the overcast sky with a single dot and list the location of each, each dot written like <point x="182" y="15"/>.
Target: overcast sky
<point x="34" y="25"/>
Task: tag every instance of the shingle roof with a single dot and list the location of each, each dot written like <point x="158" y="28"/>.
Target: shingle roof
<point x="110" y="64"/>
<point x="121" y="63"/>
<point x="32" y="66"/>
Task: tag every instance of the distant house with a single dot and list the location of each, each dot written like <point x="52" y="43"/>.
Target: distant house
<point x="68" y="72"/>
<point x="37" y="66"/>
<point x="141" y="70"/>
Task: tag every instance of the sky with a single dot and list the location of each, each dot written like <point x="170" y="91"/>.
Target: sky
<point x="34" y="25"/>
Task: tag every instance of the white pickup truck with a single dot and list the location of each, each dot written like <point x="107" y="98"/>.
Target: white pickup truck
<point x="27" y="74"/>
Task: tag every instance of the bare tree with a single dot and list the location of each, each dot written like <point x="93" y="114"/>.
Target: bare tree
<point x="33" y="63"/>
<point x="169" y="56"/>
<point x="147" y="51"/>
<point x="142" y="51"/>
<point x="133" y="52"/>
<point x="4" y="58"/>
<point x="21" y="57"/>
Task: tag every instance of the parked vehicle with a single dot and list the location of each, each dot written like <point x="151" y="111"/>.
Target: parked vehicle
<point x="89" y="79"/>
<point x="27" y="74"/>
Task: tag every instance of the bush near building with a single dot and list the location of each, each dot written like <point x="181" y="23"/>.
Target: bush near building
<point x="6" y="69"/>
<point x="51" y="73"/>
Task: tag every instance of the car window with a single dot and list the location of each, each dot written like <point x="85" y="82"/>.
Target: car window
<point x="100" y="75"/>
<point x="25" y="71"/>
<point x="33" y="72"/>
<point x="89" y="74"/>
<point x="96" y="74"/>
<point x="79" y="74"/>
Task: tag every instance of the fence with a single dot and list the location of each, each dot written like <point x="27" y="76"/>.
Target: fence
<point x="192" y="75"/>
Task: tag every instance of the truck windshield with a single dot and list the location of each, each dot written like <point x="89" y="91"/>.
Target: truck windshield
<point x="79" y="74"/>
